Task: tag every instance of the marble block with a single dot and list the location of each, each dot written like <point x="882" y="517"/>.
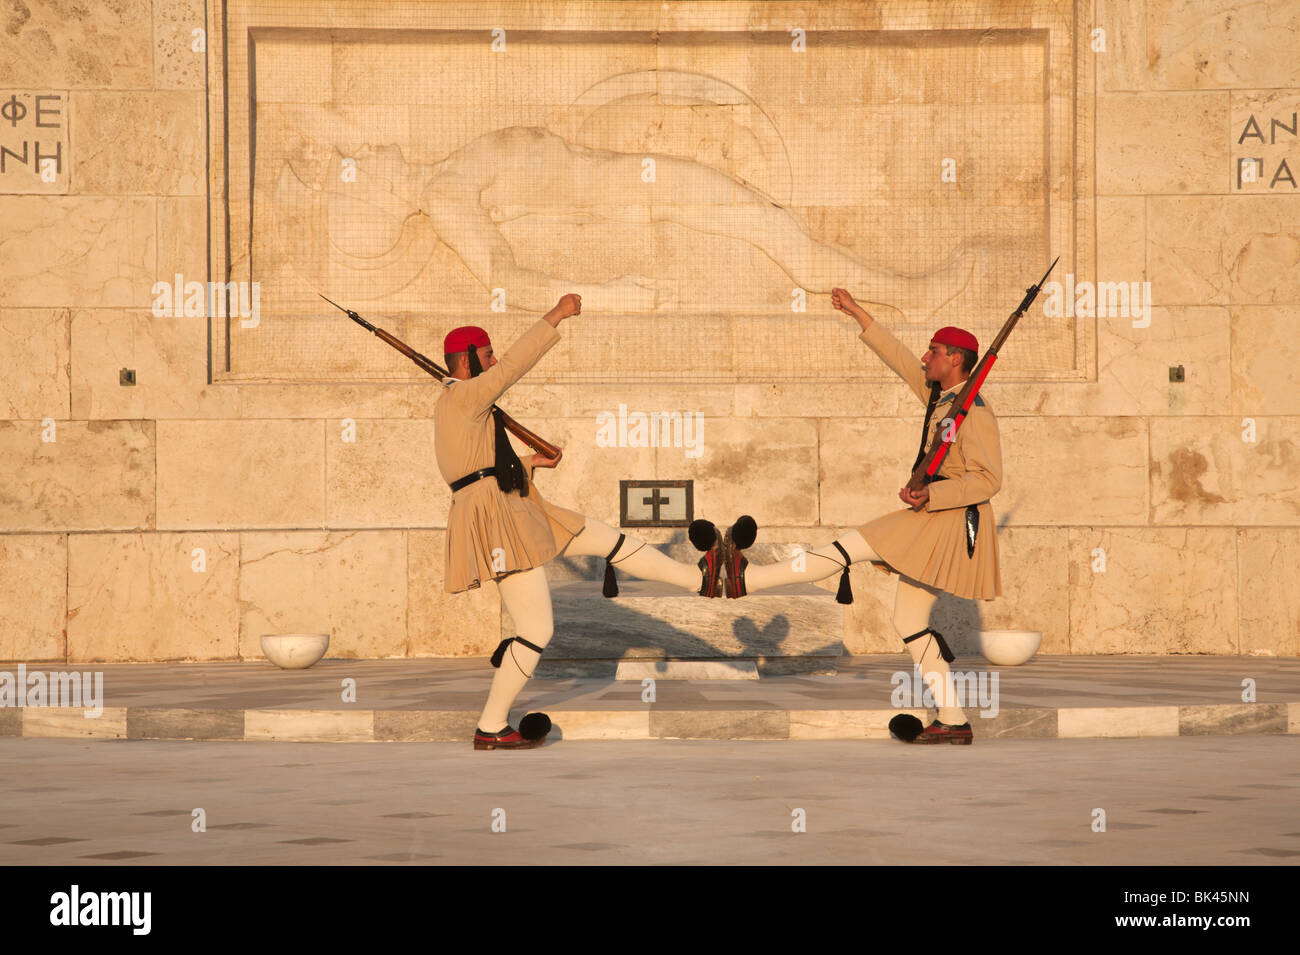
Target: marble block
<point x="77" y="475"/>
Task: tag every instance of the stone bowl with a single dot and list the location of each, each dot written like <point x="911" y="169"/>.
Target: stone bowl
<point x="294" y="651"/>
<point x="1009" y="648"/>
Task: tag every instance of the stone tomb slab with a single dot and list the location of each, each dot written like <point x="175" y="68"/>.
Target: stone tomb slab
<point x="784" y="630"/>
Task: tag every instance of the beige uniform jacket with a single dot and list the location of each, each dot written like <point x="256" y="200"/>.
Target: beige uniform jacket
<point x="490" y="534"/>
<point x="930" y="545"/>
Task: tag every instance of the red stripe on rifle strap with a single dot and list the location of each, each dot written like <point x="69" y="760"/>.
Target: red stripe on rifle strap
<point x="961" y="416"/>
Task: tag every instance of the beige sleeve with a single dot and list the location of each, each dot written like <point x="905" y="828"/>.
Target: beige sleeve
<point x="476" y="395"/>
<point x="895" y="354"/>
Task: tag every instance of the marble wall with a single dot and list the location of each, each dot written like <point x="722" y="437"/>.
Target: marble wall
<point x="180" y="517"/>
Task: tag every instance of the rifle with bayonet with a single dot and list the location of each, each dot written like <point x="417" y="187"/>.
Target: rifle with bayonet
<point x="926" y="471"/>
<point x="514" y="427"/>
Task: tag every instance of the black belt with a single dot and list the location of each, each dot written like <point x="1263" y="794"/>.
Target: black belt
<point x="469" y="479"/>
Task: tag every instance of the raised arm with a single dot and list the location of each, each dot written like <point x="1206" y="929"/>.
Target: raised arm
<point x="891" y="351"/>
<point x="481" y="393"/>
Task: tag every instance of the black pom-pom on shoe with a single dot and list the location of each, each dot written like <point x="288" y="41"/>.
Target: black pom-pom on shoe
<point x="702" y="534"/>
<point x="744" y="532"/>
<point x="902" y="726"/>
<point x="535" y="726"/>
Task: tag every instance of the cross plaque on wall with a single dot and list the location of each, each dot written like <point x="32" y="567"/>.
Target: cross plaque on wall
<point x="656" y="503"/>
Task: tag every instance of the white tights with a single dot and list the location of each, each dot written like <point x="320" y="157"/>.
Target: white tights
<point x="913" y="602"/>
<point x="527" y="596"/>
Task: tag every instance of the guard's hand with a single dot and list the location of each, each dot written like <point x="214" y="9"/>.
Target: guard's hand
<point x="914" y="500"/>
<point x="542" y="461"/>
<point x="843" y="301"/>
<point x="570" y="304"/>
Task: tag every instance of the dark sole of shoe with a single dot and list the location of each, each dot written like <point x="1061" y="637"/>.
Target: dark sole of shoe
<point x="527" y="744"/>
<point x="940" y="740"/>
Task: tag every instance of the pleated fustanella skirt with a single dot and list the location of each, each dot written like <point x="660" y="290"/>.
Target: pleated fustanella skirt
<point x="930" y="546"/>
<point x="491" y="534"/>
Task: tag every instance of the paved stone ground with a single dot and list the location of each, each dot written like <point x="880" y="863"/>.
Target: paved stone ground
<point x="1178" y="801"/>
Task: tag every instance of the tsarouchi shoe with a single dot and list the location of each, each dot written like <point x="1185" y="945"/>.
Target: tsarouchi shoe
<point x="938" y="732"/>
<point x="704" y="535"/>
<point x="740" y="535"/>
<point x="507" y="738"/>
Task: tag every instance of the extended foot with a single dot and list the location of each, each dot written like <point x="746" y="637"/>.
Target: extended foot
<point x="938" y="732"/>
<point x="704" y="535"/>
<point x="508" y="738"/>
<point x="740" y="536"/>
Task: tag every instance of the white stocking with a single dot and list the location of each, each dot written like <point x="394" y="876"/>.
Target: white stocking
<point x="809" y="567"/>
<point x="912" y="605"/>
<point x="634" y="556"/>
<point x="528" y="598"/>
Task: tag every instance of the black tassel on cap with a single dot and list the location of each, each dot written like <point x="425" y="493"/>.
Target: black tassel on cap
<point x="611" y="582"/>
<point x="845" y="594"/>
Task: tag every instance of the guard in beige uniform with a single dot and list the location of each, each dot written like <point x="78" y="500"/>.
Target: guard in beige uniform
<point x="945" y="538"/>
<point x="500" y="528"/>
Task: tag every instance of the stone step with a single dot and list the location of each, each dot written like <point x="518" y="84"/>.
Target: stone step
<point x="782" y="631"/>
<point x="642" y="722"/>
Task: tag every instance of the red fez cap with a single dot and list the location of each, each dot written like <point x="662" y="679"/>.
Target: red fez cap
<point x="459" y="339"/>
<point x="957" y="338"/>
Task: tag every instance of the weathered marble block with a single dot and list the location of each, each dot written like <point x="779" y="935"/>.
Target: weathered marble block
<point x="35" y="382"/>
<point x="93" y="475"/>
<point x="1161" y="143"/>
<point x="241" y="473"/>
<point x="1218" y="470"/>
<point x="33" y="596"/>
<point x="1162" y="590"/>
<point x="142" y="597"/>
<point x="349" y="584"/>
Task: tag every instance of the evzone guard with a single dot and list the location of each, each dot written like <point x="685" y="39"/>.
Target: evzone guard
<point x="500" y="528"/>
<point x="945" y="539"/>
